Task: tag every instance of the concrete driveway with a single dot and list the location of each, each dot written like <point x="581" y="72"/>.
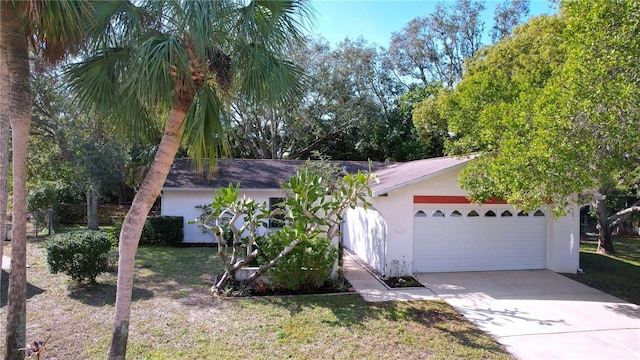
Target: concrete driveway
<point x="538" y="314"/>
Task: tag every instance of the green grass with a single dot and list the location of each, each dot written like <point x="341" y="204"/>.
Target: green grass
<point x="614" y="274"/>
<point x="175" y="317"/>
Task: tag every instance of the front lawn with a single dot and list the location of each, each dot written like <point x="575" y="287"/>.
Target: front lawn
<point x="175" y="317"/>
<point x="616" y="275"/>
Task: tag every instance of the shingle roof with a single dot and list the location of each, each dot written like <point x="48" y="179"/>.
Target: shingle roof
<point x="250" y="173"/>
<point x="269" y="174"/>
<point x="398" y="175"/>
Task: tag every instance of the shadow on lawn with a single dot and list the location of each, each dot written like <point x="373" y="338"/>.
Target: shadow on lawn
<point x="105" y="294"/>
<point x="433" y="316"/>
<point x="4" y="291"/>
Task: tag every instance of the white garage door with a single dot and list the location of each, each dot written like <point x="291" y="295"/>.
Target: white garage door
<point x="474" y="238"/>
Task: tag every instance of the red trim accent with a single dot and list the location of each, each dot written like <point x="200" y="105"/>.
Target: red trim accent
<point x="449" y="199"/>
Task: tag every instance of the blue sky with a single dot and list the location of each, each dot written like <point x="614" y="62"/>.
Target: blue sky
<point x="375" y="20"/>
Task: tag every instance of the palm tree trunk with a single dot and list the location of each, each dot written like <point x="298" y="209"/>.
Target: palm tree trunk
<point x="132" y="228"/>
<point x="4" y="142"/>
<point x="15" y="46"/>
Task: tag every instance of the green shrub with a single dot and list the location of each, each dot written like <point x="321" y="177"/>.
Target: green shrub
<point x="81" y="254"/>
<point x="168" y="230"/>
<point x="159" y="230"/>
<point x="308" y="266"/>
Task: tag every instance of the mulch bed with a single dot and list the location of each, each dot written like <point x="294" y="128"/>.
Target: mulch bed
<point x="401" y="282"/>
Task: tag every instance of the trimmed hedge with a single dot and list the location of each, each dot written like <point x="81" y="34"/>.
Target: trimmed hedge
<point x="168" y="230"/>
<point x="82" y="255"/>
<point x="158" y="231"/>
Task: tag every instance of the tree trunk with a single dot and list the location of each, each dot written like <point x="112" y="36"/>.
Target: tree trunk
<point x="15" y="47"/>
<point x="92" y="210"/>
<point x="132" y="228"/>
<point x="605" y="244"/>
<point x="4" y="140"/>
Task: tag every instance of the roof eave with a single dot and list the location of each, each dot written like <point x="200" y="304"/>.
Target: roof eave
<point x="384" y="191"/>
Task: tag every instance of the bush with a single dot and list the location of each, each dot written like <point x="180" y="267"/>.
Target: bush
<point x="168" y="230"/>
<point x="81" y="254"/>
<point x="308" y="266"/>
<point x="159" y="230"/>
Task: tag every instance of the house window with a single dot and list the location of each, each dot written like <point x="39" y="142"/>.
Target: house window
<point x="506" y="213"/>
<point x="420" y="213"/>
<point x="455" y="213"/>
<point x="276" y="221"/>
<point x="438" y="213"/>
<point x="538" y="213"/>
<point x="523" y="213"/>
<point x="490" y="213"/>
<point x="473" y="213"/>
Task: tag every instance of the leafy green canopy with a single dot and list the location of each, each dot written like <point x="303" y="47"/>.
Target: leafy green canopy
<point x="552" y="109"/>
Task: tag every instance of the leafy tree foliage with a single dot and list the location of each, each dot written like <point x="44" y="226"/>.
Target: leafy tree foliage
<point x="73" y="153"/>
<point x="349" y="110"/>
<point x="507" y="16"/>
<point x="553" y="111"/>
<point x="432" y="49"/>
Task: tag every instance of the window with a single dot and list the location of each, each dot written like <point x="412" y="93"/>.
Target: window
<point x="420" y="213"/>
<point x="473" y="213"/>
<point x="455" y="213"/>
<point x="506" y="213"/>
<point x="523" y="213"/>
<point x="490" y="213"/>
<point x="438" y="213"/>
<point x="277" y="221"/>
<point x="538" y="213"/>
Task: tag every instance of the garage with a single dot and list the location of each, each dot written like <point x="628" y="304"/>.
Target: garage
<point x="431" y="226"/>
<point x="464" y="237"/>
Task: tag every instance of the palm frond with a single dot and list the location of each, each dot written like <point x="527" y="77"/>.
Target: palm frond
<point x="160" y="61"/>
<point x="58" y="28"/>
<point x="206" y="126"/>
<point x="263" y="77"/>
<point x="208" y="23"/>
<point x="96" y="84"/>
<point x="274" y="23"/>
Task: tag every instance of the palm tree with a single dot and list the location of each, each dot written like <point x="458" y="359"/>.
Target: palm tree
<point x="184" y="61"/>
<point x="54" y="28"/>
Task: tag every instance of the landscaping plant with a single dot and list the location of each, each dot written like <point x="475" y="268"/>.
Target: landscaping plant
<point x="82" y="255"/>
<point x="312" y="212"/>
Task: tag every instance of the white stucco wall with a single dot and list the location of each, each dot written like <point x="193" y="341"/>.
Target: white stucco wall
<point x="563" y="246"/>
<point x="181" y="202"/>
<point x="397" y="210"/>
<point x="365" y="232"/>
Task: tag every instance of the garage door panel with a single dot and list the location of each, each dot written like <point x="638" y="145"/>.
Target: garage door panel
<point x="463" y="243"/>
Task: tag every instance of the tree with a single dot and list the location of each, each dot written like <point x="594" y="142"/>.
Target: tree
<point x="349" y="110"/>
<point x="184" y="61"/>
<point x="55" y="27"/>
<point x="432" y="49"/>
<point x="553" y="111"/>
<point x="311" y="210"/>
<point x="4" y="137"/>
<point x="507" y="16"/>
<point x="87" y="161"/>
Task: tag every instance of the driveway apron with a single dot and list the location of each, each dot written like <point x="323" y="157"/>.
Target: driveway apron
<point x="538" y="314"/>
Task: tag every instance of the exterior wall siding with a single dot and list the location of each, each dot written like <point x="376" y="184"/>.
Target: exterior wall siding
<point x="183" y="203"/>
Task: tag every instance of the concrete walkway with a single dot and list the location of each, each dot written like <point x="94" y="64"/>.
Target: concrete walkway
<point x="535" y="314"/>
<point x="372" y="289"/>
